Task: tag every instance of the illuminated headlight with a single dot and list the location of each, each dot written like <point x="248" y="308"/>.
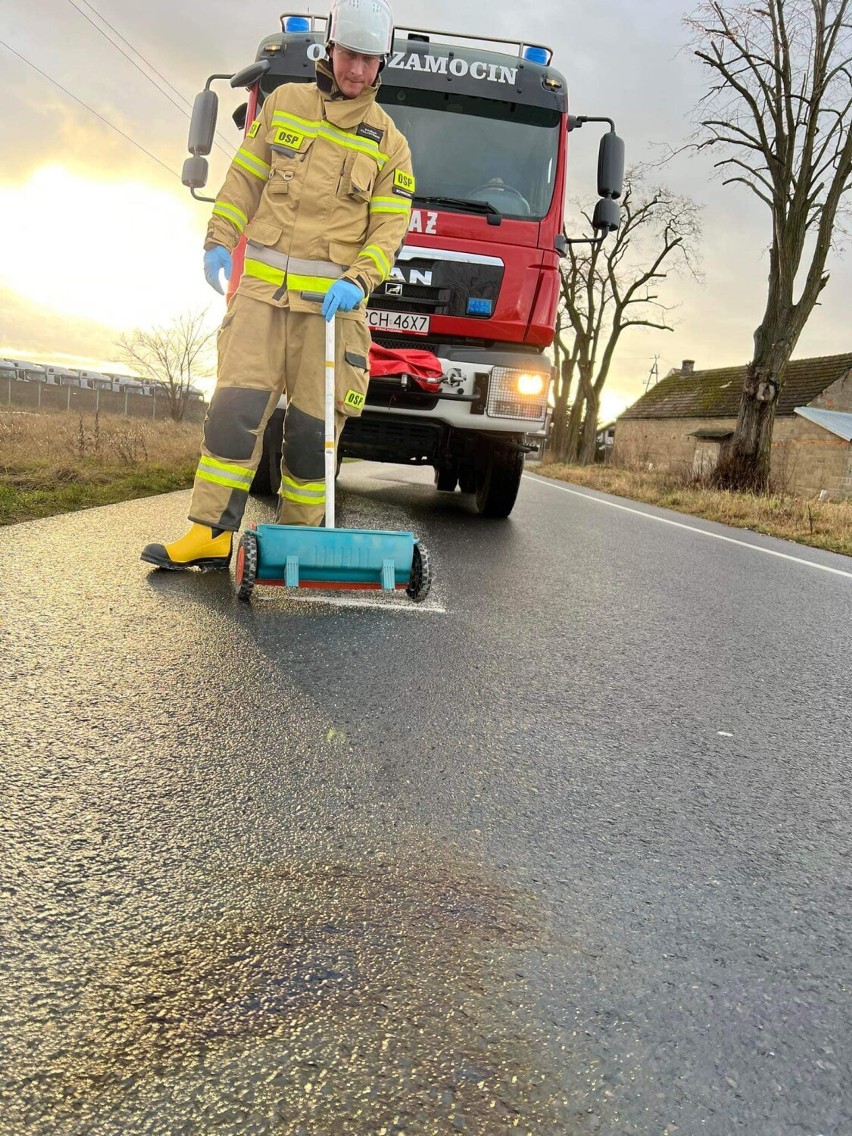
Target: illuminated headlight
<point x="530" y="385"/>
<point x="518" y="394"/>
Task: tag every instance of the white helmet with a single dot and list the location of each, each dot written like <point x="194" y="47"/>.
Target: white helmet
<point x="365" y="26"/>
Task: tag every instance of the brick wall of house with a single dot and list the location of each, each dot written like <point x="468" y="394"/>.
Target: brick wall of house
<point x="661" y="442"/>
<point x="806" y="458"/>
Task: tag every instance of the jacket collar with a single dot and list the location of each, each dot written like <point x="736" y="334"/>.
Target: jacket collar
<point x="340" y="110"/>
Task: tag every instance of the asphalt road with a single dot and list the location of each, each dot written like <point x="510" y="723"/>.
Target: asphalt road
<point x="563" y="851"/>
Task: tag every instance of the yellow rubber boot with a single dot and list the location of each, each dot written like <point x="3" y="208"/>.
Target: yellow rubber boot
<point x="198" y="549"/>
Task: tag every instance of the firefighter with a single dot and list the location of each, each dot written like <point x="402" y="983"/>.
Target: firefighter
<point x="322" y="190"/>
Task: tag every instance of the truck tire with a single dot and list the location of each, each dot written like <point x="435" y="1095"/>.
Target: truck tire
<point x="498" y="483"/>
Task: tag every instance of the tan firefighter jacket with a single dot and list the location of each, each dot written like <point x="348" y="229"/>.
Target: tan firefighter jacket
<point x="321" y="188"/>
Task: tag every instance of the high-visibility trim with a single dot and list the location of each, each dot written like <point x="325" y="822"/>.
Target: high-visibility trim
<point x="313" y="129"/>
<point x="267" y="255"/>
<point x="231" y="213"/>
<point x="378" y="258"/>
<point x="297" y="283"/>
<point x="253" y="164"/>
<point x="221" y="473"/>
<point x="311" y="493"/>
<point x="324" y="268"/>
<point x="354" y="142"/>
<point x="305" y="125"/>
<point x="389" y="205"/>
<point x="284" y="263"/>
<point x="264" y="272"/>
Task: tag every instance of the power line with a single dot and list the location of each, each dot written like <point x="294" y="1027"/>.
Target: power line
<point x="111" y="125"/>
<point x="130" y="59"/>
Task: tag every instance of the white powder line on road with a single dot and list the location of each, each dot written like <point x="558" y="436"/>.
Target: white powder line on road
<point x="363" y="604"/>
<point x="689" y="528"/>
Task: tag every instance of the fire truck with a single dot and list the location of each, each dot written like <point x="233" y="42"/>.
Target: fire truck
<point x="477" y="281"/>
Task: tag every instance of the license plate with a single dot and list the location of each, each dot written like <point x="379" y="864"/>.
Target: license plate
<point x="398" y="321"/>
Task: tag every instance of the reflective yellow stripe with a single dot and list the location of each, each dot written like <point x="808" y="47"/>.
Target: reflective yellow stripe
<point x="301" y="500"/>
<point x="295" y="282"/>
<point x="314" y="489"/>
<point x="389" y="205"/>
<point x="378" y="258"/>
<point x="231" y="213"/>
<point x="221" y="473"/>
<point x="202" y="476"/>
<point x="332" y="134"/>
<point x="254" y="165"/>
<point x="309" y="126"/>
<point x="309" y="493"/>
<point x="264" y="272"/>
<point x="308" y="283"/>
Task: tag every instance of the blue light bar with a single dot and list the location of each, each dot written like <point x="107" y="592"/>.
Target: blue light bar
<point x="536" y="55"/>
<point x="479" y="307"/>
<point x="297" y="24"/>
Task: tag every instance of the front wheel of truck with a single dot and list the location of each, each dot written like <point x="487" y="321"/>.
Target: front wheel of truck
<point x="499" y="480"/>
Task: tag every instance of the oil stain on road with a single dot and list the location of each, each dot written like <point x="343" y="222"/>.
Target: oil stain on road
<point x="381" y="996"/>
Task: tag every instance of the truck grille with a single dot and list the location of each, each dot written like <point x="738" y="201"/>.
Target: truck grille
<point x="406" y="343"/>
<point x="414" y="298"/>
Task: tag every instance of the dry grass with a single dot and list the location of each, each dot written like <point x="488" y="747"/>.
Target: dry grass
<point x="55" y="462"/>
<point x="821" y="524"/>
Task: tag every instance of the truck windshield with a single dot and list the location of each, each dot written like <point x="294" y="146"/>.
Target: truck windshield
<point x="479" y="150"/>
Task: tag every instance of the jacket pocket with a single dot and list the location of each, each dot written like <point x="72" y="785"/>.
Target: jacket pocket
<point x="343" y="253"/>
<point x="353" y="367"/>
<point x="262" y="233"/>
<point x="359" y="177"/>
<point x="289" y="150"/>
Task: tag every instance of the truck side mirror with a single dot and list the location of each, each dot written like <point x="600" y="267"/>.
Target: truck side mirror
<point x="202" y="125"/>
<point x="606" y="218"/>
<point x="194" y="175"/>
<point x="240" y="115"/>
<point x="611" y="166"/>
<point x="251" y="74"/>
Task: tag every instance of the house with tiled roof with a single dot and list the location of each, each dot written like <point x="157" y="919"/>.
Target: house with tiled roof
<point x="685" y="420"/>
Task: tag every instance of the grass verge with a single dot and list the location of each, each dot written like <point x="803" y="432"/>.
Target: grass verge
<point x="57" y="463"/>
<point x="820" y="524"/>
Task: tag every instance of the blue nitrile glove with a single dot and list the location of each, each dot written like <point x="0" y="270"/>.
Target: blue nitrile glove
<point x="217" y="260"/>
<point x="343" y="295"/>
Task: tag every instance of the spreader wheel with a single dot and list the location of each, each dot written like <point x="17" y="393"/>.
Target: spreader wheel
<point x="421" y="574"/>
<point x="246" y="571"/>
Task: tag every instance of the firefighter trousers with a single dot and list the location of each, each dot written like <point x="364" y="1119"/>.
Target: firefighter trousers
<point x="266" y="351"/>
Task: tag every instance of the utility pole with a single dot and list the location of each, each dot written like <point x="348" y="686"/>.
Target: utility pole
<point x="653" y="374"/>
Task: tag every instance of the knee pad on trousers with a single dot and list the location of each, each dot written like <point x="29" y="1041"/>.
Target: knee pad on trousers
<point x="235" y="414"/>
<point x="304" y="445"/>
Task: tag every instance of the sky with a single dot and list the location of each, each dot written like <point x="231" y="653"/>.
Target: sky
<point x="99" y="237"/>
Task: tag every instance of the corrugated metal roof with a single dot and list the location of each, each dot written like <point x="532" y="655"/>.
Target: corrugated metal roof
<point x="836" y="421"/>
<point x="716" y="393"/>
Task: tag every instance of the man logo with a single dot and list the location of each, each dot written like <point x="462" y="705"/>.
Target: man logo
<point x="393" y="289"/>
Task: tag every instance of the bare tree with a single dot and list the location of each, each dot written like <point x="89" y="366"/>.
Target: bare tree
<point x="608" y="288"/>
<point x="780" y="113"/>
<point x="172" y="356"/>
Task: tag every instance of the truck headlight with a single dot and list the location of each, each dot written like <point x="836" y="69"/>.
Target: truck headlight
<point x="530" y="385"/>
<point x="517" y="394"/>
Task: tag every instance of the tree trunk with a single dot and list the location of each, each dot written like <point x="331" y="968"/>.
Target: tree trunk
<point x="588" y="445"/>
<point x="575" y="419"/>
<point x="588" y="437"/>
<point x="744" y="463"/>
<point x="560" y="430"/>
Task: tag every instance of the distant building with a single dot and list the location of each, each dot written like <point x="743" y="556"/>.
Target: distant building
<point x="685" y="420"/>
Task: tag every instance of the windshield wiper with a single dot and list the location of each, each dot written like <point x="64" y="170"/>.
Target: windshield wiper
<point x="460" y="203"/>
